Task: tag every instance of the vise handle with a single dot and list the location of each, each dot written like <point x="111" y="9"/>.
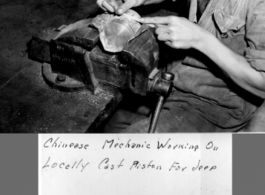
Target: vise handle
<point x="161" y="86"/>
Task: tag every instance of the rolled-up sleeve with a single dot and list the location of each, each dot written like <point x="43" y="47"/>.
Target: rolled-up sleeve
<point x="255" y="34"/>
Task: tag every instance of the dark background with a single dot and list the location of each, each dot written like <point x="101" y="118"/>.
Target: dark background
<point x="27" y="103"/>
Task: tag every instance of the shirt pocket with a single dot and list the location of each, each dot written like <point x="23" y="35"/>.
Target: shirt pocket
<point x="228" y="25"/>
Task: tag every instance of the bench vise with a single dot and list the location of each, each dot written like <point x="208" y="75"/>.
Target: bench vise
<point x="73" y="59"/>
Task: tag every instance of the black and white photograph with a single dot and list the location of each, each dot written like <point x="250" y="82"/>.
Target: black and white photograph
<point x="133" y="96"/>
<point x="134" y="66"/>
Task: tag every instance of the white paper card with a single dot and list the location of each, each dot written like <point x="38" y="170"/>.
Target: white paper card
<point x="142" y="164"/>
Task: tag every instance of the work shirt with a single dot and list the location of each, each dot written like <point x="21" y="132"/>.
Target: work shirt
<point x="204" y="99"/>
<point x="201" y="88"/>
<point x="202" y="4"/>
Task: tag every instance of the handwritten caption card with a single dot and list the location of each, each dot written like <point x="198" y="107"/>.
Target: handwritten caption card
<point x="157" y="164"/>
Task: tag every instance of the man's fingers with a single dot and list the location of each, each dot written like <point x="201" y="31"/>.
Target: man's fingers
<point x="107" y="6"/>
<point x="126" y="6"/>
<point x="159" y="20"/>
<point x="113" y="3"/>
<point x="162" y="29"/>
<point x="164" y="37"/>
<point x="99" y="2"/>
<point x="169" y="43"/>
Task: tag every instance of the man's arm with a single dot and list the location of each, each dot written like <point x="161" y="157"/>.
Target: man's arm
<point x="234" y="66"/>
<point x="246" y="71"/>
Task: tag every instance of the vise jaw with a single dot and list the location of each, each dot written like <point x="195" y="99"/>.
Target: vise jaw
<point x="74" y="59"/>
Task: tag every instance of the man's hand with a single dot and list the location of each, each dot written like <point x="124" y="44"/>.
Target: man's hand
<point x="121" y="6"/>
<point x="178" y="33"/>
